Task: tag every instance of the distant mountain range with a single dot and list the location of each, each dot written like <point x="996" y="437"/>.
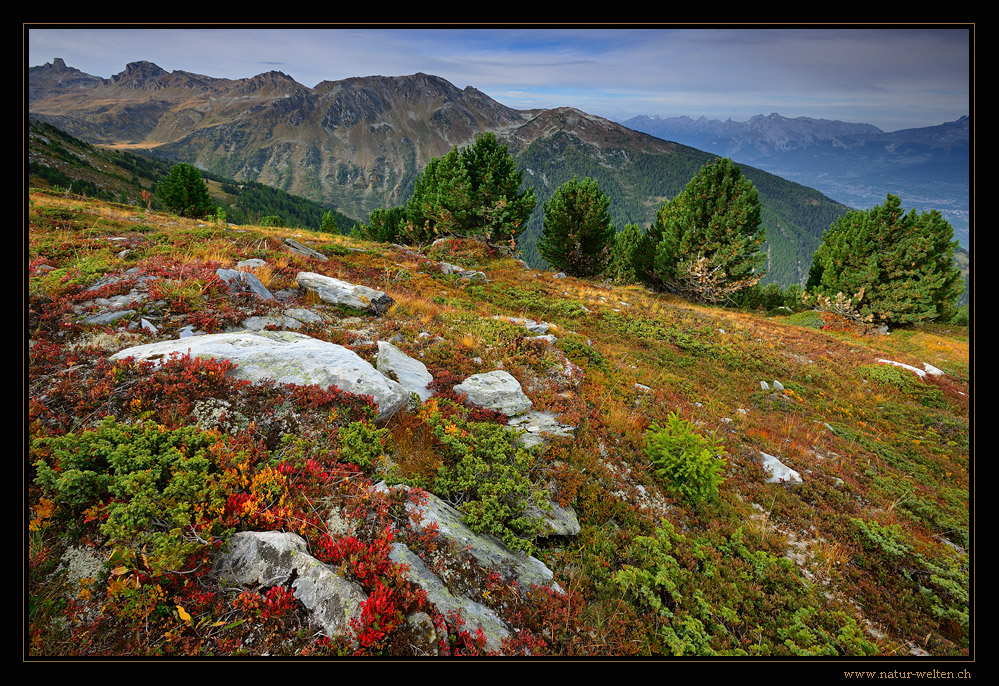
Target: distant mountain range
<point x="857" y="164"/>
<point x="358" y="144"/>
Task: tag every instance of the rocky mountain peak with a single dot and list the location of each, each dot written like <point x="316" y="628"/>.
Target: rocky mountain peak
<point x="140" y="74"/>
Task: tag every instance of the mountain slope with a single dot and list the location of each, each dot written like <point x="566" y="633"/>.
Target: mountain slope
<point x="857" y="164"/>
<point x="359" y="144"/>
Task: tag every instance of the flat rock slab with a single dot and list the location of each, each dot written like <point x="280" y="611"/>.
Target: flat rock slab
<point x="497" y="390"/>
<point x="262" y="559"/>
<point x="337" y="292"/>
<point x="285" y="357"/>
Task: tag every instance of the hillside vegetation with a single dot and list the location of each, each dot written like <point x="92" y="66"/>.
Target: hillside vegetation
<point x="138" y="476"/>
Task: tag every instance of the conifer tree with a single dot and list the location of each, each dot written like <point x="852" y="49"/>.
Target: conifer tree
<point x="442" y="200"/>
<point x="705" y="243"/>
<point x="499" y="207"/>
<point x="897" y="268"/>
<point x="577" y="231"/>
<point x="184" y="192"/>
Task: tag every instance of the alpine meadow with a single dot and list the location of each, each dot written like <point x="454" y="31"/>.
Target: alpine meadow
<point x="386" y="368"/>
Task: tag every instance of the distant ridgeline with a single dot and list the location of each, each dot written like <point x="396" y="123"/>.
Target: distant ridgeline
<point x="59" y="160"/>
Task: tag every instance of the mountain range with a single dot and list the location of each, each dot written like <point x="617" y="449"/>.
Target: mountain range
<point x="358" y="144"/>
<point x="855" y="163"/>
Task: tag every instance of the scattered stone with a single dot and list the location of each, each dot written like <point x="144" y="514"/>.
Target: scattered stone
<point x="497" y="390"/>
<point x="741" y="411"/>
<point x="297" y="247"/>
<point x="536" y="424"/>
<point x="560" y="521"/>
<point x="148" y="326"/>
<point x="285" y="357"/>
<point x="642" y="388"/>
<point x="411" y="374"/>
<point x="337" y="292"/>
<point x="560" y="275"/>
<point x="778" y="386"/>
<point x="189" y="331"/>
<point x="244" y="282"/>
<point x="764" y="385"/>
<point x="262" y="559"/>
<point x="105" y="318"/>
<point x="548" y="338"/>
<point x="469" y="274"/>
<point x="251" y="263"/>
<point x="261" y="323"/>
<point x="303" y="315"/>
<point x="779" y="472"/>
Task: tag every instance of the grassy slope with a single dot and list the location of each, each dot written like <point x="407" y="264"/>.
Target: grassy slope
<point x="859" y="559"/>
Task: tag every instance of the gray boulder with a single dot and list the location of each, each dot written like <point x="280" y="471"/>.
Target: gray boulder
<point x="411" y="374"/>
<point x="262" y="559"/>
<point x="285" y="357"/>
<point x="497" y="390"/>
<point x="244" y="282"/>
<point x="488" y="550"/>
<point x="476" y="615"/>
<point x="297" y="247"/>
<point x="537" y="425"/>
<point x="337" y="292"/>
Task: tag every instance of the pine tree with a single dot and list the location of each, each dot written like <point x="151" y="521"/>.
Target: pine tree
<point x="895" y="267"/>
<point x="441" y="203"/>
<point x="577" y="230"/>
<point x="499" y="208"/>
<point x="184" y="192"/>
<point x="705" y="243"/>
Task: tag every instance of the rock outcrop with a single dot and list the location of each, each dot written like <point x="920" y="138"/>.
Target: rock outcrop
<point x="497" y="390"/>
<point x="262" y="559"/>
<point x="285" y="357"/>
<point x="337" y="292"/>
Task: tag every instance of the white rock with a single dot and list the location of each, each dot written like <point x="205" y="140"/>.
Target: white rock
<point x="285" y="357"/>
<point x="930" y="369"/>
<point x="337" y="292"/>
<point x="779" y="472"/>
<point x="411" y="374"/>
<point x="497" y="390"/>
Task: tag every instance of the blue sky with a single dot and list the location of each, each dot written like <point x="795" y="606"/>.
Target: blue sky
<point x="891" y="77"/>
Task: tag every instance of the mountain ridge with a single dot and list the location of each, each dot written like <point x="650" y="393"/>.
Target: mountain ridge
<point x="359" y="143"/>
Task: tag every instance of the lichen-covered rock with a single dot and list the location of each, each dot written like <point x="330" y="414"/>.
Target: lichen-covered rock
<point x="497" y="390"/>
<point x="244" y="282"/>
<point x="285" y="357"/>
<point x="476" y="615"/>
<point x="411" y="374"/>
<point x="337" y="292"/>
<point x="488" y="550"/>
<point x="262" y="559"/>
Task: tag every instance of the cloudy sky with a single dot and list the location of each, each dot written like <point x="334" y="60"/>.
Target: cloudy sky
<point x="893" y="78"/>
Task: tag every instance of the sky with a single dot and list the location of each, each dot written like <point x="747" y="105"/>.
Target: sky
<point x="894" y="78"/>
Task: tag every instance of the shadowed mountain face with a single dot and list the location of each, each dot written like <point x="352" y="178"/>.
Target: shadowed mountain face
<point x="359" y="144"/>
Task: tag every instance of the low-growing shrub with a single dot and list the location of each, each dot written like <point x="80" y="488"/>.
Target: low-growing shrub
<point x="690" y="463"/>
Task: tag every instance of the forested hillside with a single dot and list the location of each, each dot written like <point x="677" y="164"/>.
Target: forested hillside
<point x="57" y="159"/>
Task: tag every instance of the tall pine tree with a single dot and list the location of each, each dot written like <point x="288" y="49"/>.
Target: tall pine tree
<point x="897" y="267"/>
<point x="577" y="232"/>
<point x="705" y="243"/>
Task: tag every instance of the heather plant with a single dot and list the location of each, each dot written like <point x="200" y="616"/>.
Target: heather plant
<point x="690" y="463"/>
